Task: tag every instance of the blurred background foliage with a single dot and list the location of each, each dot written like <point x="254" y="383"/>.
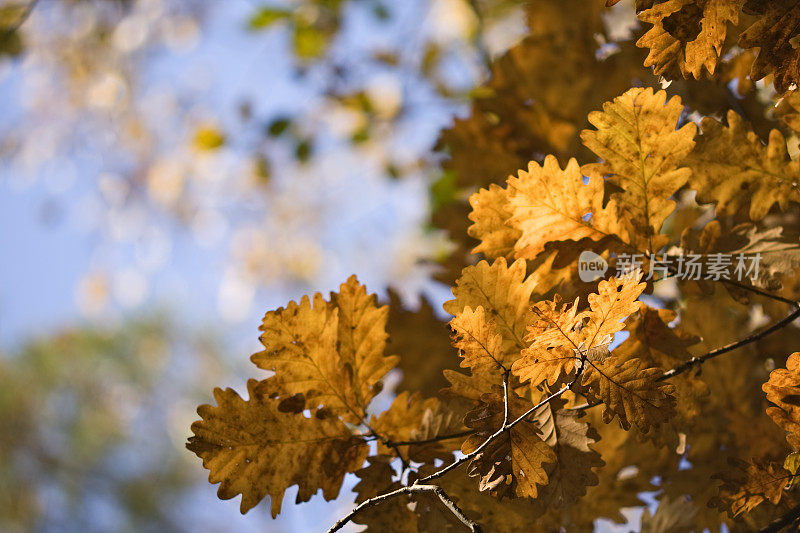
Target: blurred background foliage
<point x="171" y="169"/>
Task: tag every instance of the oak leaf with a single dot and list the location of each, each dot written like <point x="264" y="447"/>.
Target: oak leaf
<point x="732" y="168"/>
<point x="630" y="391"/>
<point x="479" y="344"/>
<point x="490" y="216"/>
<point x="503" y="291"/>
<point x="561" y="336"/>
<point x="774" y="33"/>
<point x="549" y="204"/>
<point x="642" y="148"/>
<point x="747" y="484"/>
<point x="411" y="417"/>
<point x="783" y="390"/>
<point x="515" y="461"/>
<point x="687" y="35"/>
<point x="330" y="352"/>
<point x="253" y="449"/>
<point x="571" y="441"/>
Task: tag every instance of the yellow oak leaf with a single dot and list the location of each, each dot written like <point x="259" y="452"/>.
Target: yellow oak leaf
<point x="732" y="168"/>
<point x="503" y="291"/>
<point x="570" y="439"/>
<point x="642" y="149"/>
<point x="254" y="449"/>
<point x="411" y="417"/>
<point x="490" y="216"/>
<point x="687" y="35"/>
<point x="332" y="352"/>
<point x="479" y="344"/>
<point x="560" y="335"/>
<point x="549" y="204"/>
<point x="553" y="338"/>
<point x="783" y="390"/>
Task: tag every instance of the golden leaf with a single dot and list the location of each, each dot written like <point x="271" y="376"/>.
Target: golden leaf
<point x="783" y="390"/>
<point x="330" y="352"/>
<point x="479" y="345"/>
<point x="410" y="417"/>
<point x="490" y="216"/>
<point x="255" y="450"/>
<point x="549" y="204"/>
<point x="553" y="338"/>
<point x="559" y="336"/>
<point x="637" y="137"/>
<point x="687" y="35"/>
<point x="732" y="168"/>
<point x="571" y="440"/>
<point x="504" y="293"/>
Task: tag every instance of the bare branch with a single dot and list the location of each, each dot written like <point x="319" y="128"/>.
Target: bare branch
<point x="505" y="398"/>
<point x="694" y="361"/>
<point x="786" y="520"/>
<point x="416" y="488"/>
<point x="432" y="439"/>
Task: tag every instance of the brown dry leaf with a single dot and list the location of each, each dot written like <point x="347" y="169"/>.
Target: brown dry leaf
<point x="687" y="35"/>
<point x="783" y="390"/>
<point x="255" y="450"/>
<point x="490" y="216"/>
<point x="549" y="204"/>
<point x="421" y="341"/>
<point x="746" y="485"/>
<point x="774" y="33"/>
<point x="503" y="291"/>
<point x="637" y="137"/>
<point x="630" y="392"/>
<point x="410" y="417"/>
<point x="515" y="461"/>
<point x="732" y="168"/>
<point x="391" y="515"/>
<point x="330" y="352"/>
<point x="571" y="440"/>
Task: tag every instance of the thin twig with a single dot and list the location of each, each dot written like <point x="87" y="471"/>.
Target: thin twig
<point x="730" y="347"/>
<point x="432" y="439"/>
<point x="505" y="398"/>
<point x="410" y="489"/>
<point x="782" y="522"/>
<point x="421" y="483"/>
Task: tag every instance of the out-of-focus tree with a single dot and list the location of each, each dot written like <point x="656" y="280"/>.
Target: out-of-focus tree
<point x="87" y="443"/>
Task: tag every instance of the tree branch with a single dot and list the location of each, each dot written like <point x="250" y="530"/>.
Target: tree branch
<point x="730" y="347"/>
<point x="420" y="484"/>
<point x="410" y="489"/>
<point x="782" y="522"/>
